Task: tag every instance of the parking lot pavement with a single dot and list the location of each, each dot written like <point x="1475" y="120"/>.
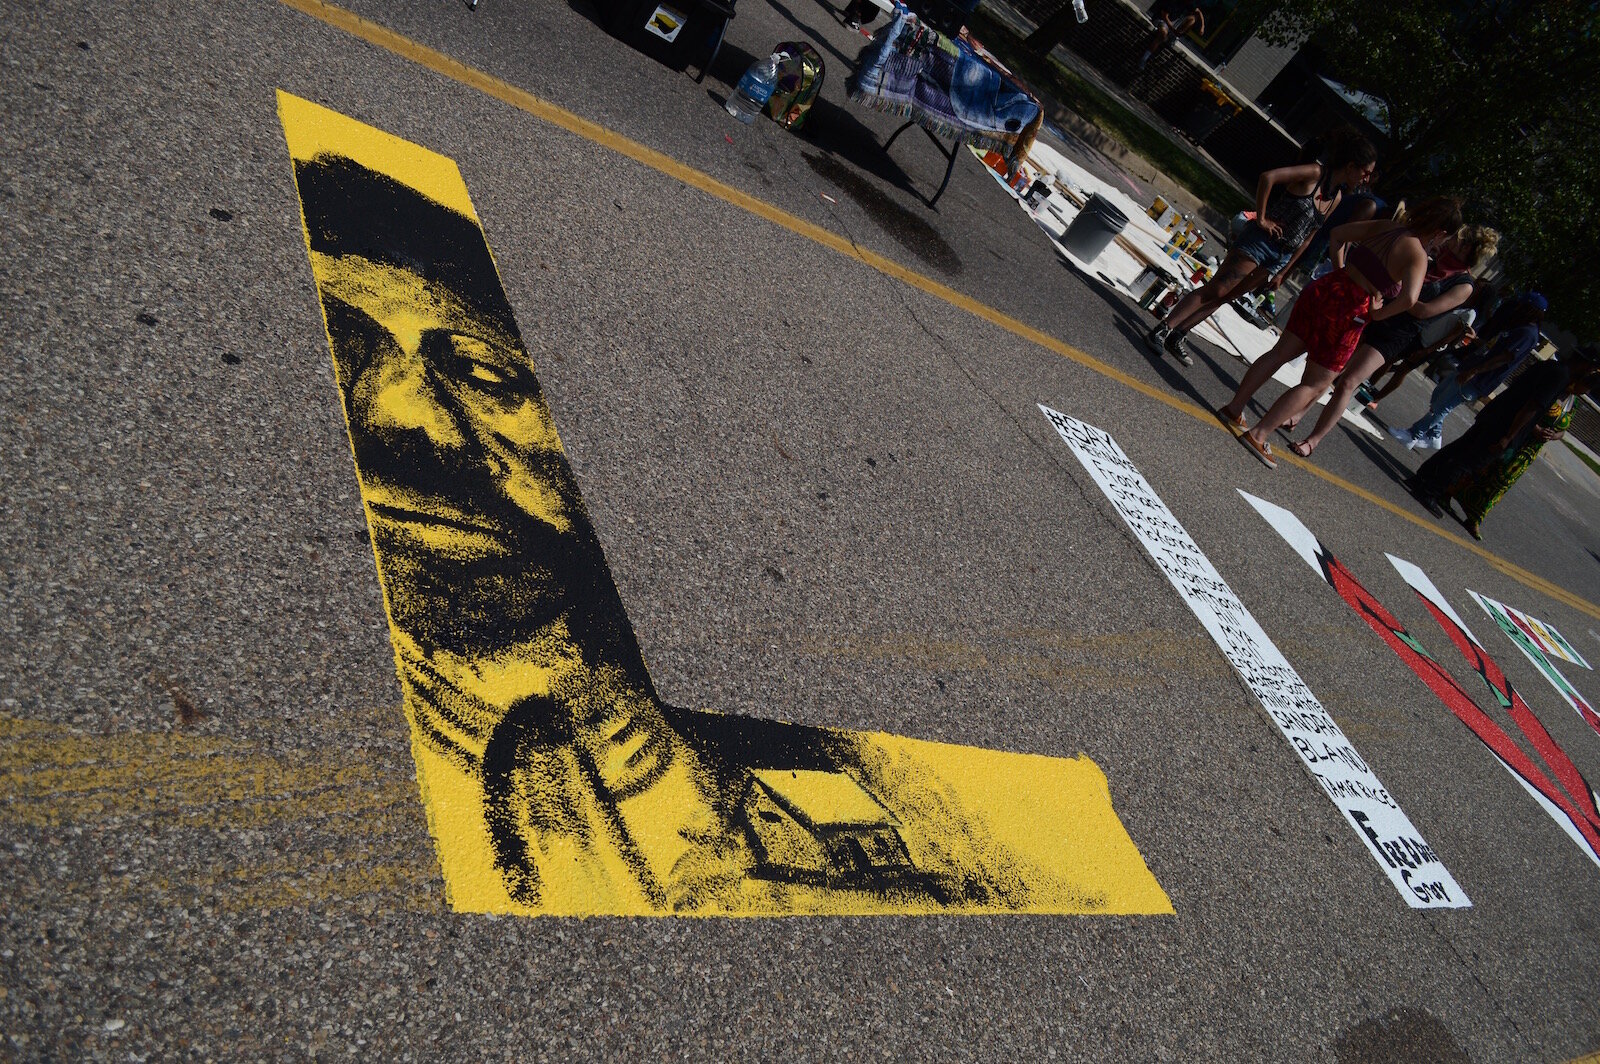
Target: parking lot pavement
<point x="803" y="413"/>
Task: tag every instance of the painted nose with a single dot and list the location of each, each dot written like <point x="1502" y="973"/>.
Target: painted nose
<point x="406" y="395"/>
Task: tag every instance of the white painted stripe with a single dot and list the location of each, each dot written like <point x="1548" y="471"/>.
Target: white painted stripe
<point x="1503" y="615"/>
<point x="1408" y="861"/>
<point x="1423" y="584"/>
<point x="1553" y="811"/>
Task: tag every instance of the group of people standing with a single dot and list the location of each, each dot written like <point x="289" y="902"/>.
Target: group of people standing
<point x="1395" y="287"/>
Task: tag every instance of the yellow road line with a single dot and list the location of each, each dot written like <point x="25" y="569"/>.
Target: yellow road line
<point x="595" y="133"/>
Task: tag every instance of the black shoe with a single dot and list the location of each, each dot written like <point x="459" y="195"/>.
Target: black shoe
<point x="1156" y="337"/>
<point x="1428" y="499"/>
<point x="1175" y="347"/>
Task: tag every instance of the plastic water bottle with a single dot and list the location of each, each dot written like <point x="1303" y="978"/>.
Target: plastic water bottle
<point x="1079" y="11"/>
<point x="754" y="89"/>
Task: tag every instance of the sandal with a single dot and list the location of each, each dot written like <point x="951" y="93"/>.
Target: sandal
<point x="1262" y="451"/>
<point x="1301" y="448"/>
<point x="1237" y="424"/>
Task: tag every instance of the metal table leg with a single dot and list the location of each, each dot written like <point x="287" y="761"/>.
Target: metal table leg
<point x="722" y="33"/>
<point x="949" y="153"/>
<point x="888" y="143"/>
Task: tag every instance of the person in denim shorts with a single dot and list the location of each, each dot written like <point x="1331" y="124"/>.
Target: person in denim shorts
<point x="1292" y="202"/>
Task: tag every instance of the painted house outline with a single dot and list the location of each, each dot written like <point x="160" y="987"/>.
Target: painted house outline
<point x="817" y="826"/>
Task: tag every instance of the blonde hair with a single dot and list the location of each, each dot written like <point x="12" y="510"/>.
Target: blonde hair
<point x="1479" y="242"/>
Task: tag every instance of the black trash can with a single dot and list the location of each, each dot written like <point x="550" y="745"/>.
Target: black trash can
<point x="1093" y="230"/>
<point x="675" y="33"/>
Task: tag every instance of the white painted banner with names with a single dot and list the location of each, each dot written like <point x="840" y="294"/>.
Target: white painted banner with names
<point x="1410" y="864"/>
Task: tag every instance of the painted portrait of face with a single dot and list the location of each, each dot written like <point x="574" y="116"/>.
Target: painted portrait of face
<point x="556" y="780"/>
<point x="470" y="500"/>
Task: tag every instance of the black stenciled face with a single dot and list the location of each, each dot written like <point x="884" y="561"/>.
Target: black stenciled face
<point x="473" y="508"/>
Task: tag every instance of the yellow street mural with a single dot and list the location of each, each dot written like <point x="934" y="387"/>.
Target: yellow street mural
<point x="555" y="779"/>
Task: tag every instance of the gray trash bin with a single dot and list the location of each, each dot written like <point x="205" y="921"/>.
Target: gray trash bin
<point x="1093" y="230"/>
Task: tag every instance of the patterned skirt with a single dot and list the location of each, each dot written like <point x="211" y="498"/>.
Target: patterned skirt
<point x="1477" y="494"/>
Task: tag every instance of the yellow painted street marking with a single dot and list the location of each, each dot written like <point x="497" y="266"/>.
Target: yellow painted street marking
<point x="525" y="101"/>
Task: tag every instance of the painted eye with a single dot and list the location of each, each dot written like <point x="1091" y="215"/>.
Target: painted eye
<point x="477" y="362"/>
<point x="488" y="374"/>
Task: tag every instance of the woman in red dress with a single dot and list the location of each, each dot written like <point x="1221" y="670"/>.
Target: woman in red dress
<point x="1378" y="272"/>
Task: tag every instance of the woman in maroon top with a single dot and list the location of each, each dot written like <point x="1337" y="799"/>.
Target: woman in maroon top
<point x="1378" y="271"/>
<point x="1447" y="285"/>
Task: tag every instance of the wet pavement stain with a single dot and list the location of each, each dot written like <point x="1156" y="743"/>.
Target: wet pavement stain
<point x="1399" y="1036"/>
<point x="909" y="231"/>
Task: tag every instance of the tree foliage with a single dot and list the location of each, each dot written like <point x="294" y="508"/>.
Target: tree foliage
<point x="1496" y="101"/>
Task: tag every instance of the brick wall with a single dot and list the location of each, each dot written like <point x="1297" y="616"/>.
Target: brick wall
<point x="1256" y="63"/>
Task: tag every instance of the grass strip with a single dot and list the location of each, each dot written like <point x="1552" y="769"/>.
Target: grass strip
<point x="1590" y="462"/>
<point x="1097" y="106"/>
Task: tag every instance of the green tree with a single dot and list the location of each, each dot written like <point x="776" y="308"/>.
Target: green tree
<point x="1498" y="102"/>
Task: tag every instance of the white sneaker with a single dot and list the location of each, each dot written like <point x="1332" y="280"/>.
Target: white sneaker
<point x="1405" y="436"/>
<point x="1433" y="443"/>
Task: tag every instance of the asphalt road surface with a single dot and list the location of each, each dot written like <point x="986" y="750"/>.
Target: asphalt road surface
<point x="803" y="409"/>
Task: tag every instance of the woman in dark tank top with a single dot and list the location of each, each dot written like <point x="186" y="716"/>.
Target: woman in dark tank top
<point x="1450" y="288"/>
<point x="1291" y="203"/>
<point x="1379" y="271"/>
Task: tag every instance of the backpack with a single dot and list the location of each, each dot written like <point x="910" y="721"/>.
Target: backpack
<point x="800" y="73"/>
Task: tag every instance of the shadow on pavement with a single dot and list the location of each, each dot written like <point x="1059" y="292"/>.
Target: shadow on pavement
<point x="815" y="37"/>
<point x="1378" y="455"/>
<point x="1130" y="321"/>
<point x="907" y="228"/>
<point x="1221" y="361"/>
<point x="848" y="152"/>
<point x="589" y="10"/>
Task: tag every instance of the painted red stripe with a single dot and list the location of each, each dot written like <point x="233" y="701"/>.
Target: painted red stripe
<point x="1455" y="697"/>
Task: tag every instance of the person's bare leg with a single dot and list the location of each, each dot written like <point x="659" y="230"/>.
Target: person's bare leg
<point x="1387" y="374"/>
<point x="1255" y="279"/>
<point x="1288" y="347"/>
<point x="1398" y="372"/>
<point x="1234" y="270"/>
<point x="1293" y="402"/>
<point x="1362" y="363"/>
